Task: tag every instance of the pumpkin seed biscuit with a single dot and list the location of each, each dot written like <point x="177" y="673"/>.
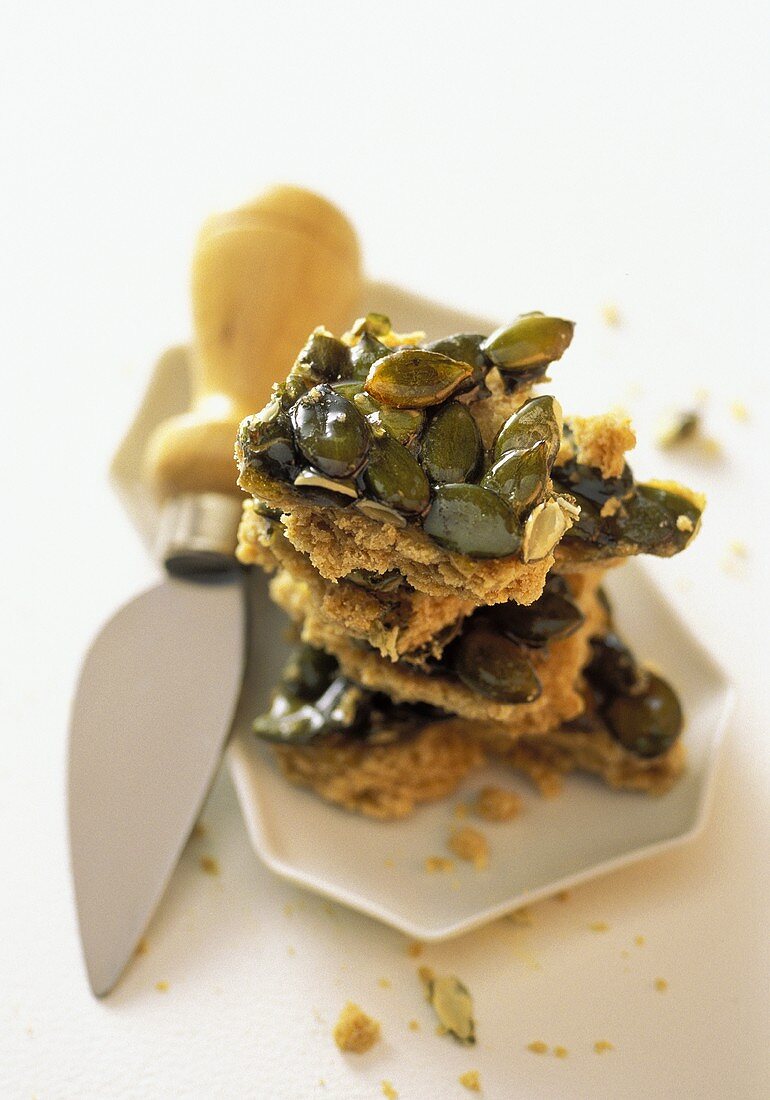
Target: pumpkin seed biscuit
<point x="552" y="697"/>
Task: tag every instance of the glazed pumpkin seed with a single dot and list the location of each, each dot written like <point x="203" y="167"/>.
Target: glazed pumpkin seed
<point x="648" y="723"/>
<point x="349" y="388"/>
<point x="395" y="478"/>
<point x="376" y="324"/>
<point x="551" y="618"/>
<point x="493" y="666"/>
<point x="372" y="509"/>
<point x="612" y="668"/>
<point x="452" y="450"/>
<point x="376" y="582"/>
<point x="326" y="356"/>
<point x="331" y="433"/>
<point x="315" y="479"/>
<point x="365" y="354"/>
<point x="414" y="378"/>
<point x="469" y="519"/>
<point x="649" y="521"/>
<point x="453" y="1006"/>
<point x="403" y="424"/>
<point x="308" y="672"/>
<point x="262" y="508"/>
<point x="529" y="343"/>
<point x="521" y="477"/>
<point x="267" y="442"/>
<point x="465" y="348"/>
<point x="341" y="706"/>
<point x="544" y="528"/>
<point x="587" y="483"/>
<point x="539" y="418"/>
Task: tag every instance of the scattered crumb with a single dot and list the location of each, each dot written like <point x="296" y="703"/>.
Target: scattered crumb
<point x="684" y="523"/>
<point x="461" y="810"/>
<point x="538" y="1047"/>
<point x="455" y="884"/>
<point x="162" y="987"/>
<point x="288" y="909"/>
<point x="209" y="865"/>
<point x="711" y="447"/>
<point x="426" y="974"/>
<point x="599" y="926"/>
<point x="520" y="917"/>
<point x="322" y="1083"/>
<point x="560" y="1052"/>
<point x="142" y="947"/>
<point x="438" y="863"/>
<point x="414" y="949"/>
<point x="602" y="441"/>
<point x="702" y="395"/>
<point x="389" y="1091"/>
<point x="564" y="895"/>
<point x="610" y="507"/>
<point x="639" y="941"/>
<point x="329" y="909"/>
<point x="601" y="1045"/>
<point x="389" y="862"/>
<point x="661" y="985"/>
<point x="384" y="983"/>
<point x="291" y="950"/>
<point x="469" y="844"/>
<point x="611" y="315"/>
<point x="497" y="804"/>
<point x="355" y="1031"/>
<point x="414" y="1025"/>
<point x="198" y="830"/>
<point x="739" y="411"/>
<point x="470" y="1080"/>
<point x="738" y="548"/>
<point x="625" y="954"/>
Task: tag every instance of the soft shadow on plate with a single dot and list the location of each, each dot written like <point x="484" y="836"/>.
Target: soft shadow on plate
<point x="378" y="867"/>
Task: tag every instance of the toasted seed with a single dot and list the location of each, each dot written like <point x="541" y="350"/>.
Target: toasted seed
<point x="403" y="424"/>
<point x="471" y="520"/>
<point x="315" y="479"/>
<point x="489" y="663"/>
<point x="326" y="356"/>
<point x="375" y="323"/>
<point x="453" y="1006"/>
<point x="380" y="512"/>
<point x="539" y="418"/>
<point x="612" y="667"/>
<point x="544" y="527"/>
<point x="551" y="618"/>
<point x="452" y="450"/>
<point x="649" y="520"/>
<point x="414" y="378"/>
<point x="365" y="354"/>
<point x="394" y="477"/>
<point x="529" y="343"/>
<point x="465" y="348"/>
<point x="331" y="433"/>
<point x="587" y="483"/>
<point x="267" y="441"/>
<point x="648" y="723"/>
<point x="521" y="477"/>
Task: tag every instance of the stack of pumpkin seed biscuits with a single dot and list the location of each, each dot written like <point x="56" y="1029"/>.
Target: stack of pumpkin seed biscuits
<point x="439" y="534"/>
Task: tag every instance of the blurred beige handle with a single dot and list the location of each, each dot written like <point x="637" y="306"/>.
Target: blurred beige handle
<point x="263" y="277"/>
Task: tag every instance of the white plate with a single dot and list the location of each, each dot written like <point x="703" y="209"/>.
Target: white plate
<point x="377" y="867"/>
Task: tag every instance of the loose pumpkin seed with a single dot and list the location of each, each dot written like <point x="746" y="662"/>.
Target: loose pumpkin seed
<point x="414" y="378"/>
<point x="521" y="477"/>
<point x="469" y="519"/>
<point x="331" y="433"/>
<point x="529" y="343"/>
<point x="453" y="1006"/>
<point x="493" y="666"/>
<point x="376" y="582"/>
<point x="395" y="478"/>
<point x="647" y="723"/>
<point x="539" y="418"/>
<point x="452" y="450"/>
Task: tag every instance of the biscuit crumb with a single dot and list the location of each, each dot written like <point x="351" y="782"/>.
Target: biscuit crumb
<point x="538" y="1047"/>
<point x="389" y="862"/>
<point x="414" y="949"/>
<point x="389" y="1091"/>
<point x="739" y="411"/>
<point x="684" y="523"/>
<point x="209" y="865"/>
<point x="601" y="1045"/>
<point x="738" y="548"/>
<point x="384" y="983"/>
<point x="661" y="985"/>
<point x="142" y="947"/>
<point x="433" y="864"/>
<point x="639" y="941"/>
<point x="470" y="1080"/>
<point x="291" y="950"/>
<point x="497" y="804"/>
<point x="602" y="441"/>
<point x="414" y="1025"/>
<point x="522" y="918"/>
<point x="354" y="1031"/>
<point x="288" y="909"/>
<point x="625" y="954"/>
<point x="599" y="926"/>
<point x="198" y="830"/>
<point x="611" y="315"/>
<point x="610" y="507"/>
<point x="564" y="895"/>
<point x="162" y="987"/>
<point x="560" y="1052"/>
<point x="469" y="844"/>
<point x="461" y="810"/>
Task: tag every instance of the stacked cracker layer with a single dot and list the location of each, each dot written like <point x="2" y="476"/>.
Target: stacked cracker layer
<point x="438" y="535"/>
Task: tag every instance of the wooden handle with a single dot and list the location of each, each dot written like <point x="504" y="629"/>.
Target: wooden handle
<point x="263" y="277"/>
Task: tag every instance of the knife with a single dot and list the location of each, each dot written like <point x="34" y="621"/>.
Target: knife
<point x="159" y="685"/>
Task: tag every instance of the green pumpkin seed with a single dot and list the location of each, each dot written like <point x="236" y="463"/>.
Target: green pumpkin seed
<point x="452" y="450"/>
<point x="529" y="344"/>
<point x="403" y="424"/>
<point x="650" y="521"/>
<point x="376" y="324"/>
<point x="315" y="479"/>
<point x="349" y="388"/>
<point x="587" y="483"/>
<point x="326" y="357"/>
<point x="612" y="668"/>
<point x="414" y="378"/>
<point x="469" y="519"/>
<point x="647" y="723"/>
<point x="395" y="478"/>
<point x="266" y="441"/>
<point x="308" y="672"/>
<point x="452" y="1004"/>
<point x="539" y="418"/>
<point x="376" y="582"/>
<point x="365" y="354"/>
<point x="493" y="666"/>
<point x="262" y="508"/>
<point x="331" y="433"/>
<point x="465" y="348"/>
<point x="341" y="707"/>
<point x="521" y="477"/>
<point x="544" y="528"/>
<point x="551" y="618"/>
<point x="372" y="509"/>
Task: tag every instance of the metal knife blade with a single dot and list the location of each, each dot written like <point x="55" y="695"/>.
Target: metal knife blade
<point x="151" y="714"/>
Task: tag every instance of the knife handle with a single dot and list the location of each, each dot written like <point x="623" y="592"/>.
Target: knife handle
<point x="263" y="276"/>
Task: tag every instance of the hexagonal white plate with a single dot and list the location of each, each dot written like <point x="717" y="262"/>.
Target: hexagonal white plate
<point x="379" y="867"/>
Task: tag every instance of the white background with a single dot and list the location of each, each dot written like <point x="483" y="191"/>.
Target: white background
<point x="500" y="157"/>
